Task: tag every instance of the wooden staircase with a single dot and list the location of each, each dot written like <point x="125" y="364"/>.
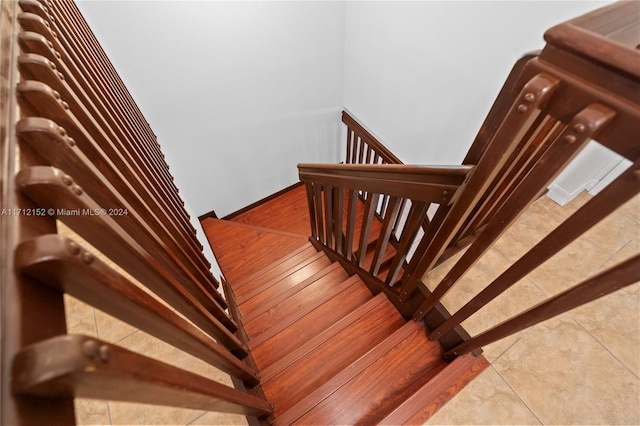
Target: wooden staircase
<point x="328" y="350"/>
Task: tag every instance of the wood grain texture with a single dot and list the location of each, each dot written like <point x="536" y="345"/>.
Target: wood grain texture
<point x="327" y="350"/>
<point x="294" y="218"/>
<point x="445" y="385"/>
<point x="334" y="354"/>
<point x="305" y="328"/>
<point x="280" y="273"/>
<point x="248" y="307"/>
<point x="242" y="251"/>
<point x="305" y="296"/>
<point x="384" y="384"/>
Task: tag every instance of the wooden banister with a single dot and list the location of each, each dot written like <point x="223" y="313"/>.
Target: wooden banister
<point x="584" y="85"/>
<point x="75" y="149"/>
<point x="81" y="366"/>
<point x="361" y="141"/>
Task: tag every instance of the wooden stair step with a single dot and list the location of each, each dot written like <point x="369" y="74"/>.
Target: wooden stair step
<point x="277" y="343"/>
<point x="337" y="381"/>
<point x="277" y="290"/>
<point x="293" y="303"/>
<point x="305" y="267"/>
<point x="242" y="251"/>
<point x="323" y="357"/>
<point x="289" y="259"/>
<point x="394" y="376"/>
<point x="440" y="389"/>
<point x="282" y="290"/>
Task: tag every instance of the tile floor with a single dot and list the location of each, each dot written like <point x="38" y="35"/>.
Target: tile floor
<point x="582" y="367"/>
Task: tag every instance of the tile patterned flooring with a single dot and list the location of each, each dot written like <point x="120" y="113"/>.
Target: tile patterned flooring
<point x="582" y="367"/>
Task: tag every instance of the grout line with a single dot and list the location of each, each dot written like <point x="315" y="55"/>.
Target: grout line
<point x="517" y="394"/>
<point x="109" y="413"/>
<point x="604" y="346"/>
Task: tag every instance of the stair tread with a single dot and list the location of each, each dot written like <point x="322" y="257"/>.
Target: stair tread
<point x="329" y="387"/>
<point x="237" y="284"/>
<point x="299" y="299"/>
<point x="353" y="293"/>
<point x="376" y="390"/>
<point x="280" y="273"/>
<point x="440" y="389"/>
<point x="370" y="324"/>
<point x="241" y="251"/>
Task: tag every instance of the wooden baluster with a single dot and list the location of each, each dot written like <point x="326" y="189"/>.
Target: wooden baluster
<point x="582" y="128"/>
<point x="383" y="239"/>
<point x="361" y="150"/>
<point x="608" y="200"/>
<point x="350" y="147"/>
<point x="615" y="278"/>
<point x="338" y="217"/>
<point x="416" y="213"/>
<point x="369" y="211"/>
<point x="317" y="192"/>
<point x="67" y="267"/>
<point x="351" y="222"/>
<point x="521" y="115"/>
<point x="83" y="367"/>
<point x="328" y="216"/>
<point x="313" y="218"/>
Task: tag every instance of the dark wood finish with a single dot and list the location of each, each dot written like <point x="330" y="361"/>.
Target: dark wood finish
<point x="242" y="251"/>
<point x="370" y="327"/>
<point x="443" y="386"/>
<point x="614" y="278"/>
<point x="298" y="413"/>
<point x="84" y="367"/>
<point x="261" y="214"/>
<point x="295" y="301"/>
<point x="310" y="320"/>
<point x="67" y="267"/>
<point x="273" y="269"/>
<point x="29" y="312"/>
<point x="596" y="209"/>
<point x="309" y="265"/>
<point x="561" y="151"/>
<point x="358" y="137"/>
<point x="73" y="141"/>
<point x="381" y="386"/>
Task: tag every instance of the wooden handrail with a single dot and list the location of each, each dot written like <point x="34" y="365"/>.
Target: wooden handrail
<point x="76" y="150"/>
<point x="582" y="86"/>
<point x="360" y="142"/>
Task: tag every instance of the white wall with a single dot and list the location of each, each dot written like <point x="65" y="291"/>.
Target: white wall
<point x="237" y="92"/>
<point x="423" y="75"/>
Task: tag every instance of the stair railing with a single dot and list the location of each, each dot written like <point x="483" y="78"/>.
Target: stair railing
<point x="581" y="87"/>
<point x="77" y="151"/>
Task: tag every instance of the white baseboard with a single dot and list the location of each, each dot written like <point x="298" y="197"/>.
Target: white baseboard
<point x="561" y="196"/>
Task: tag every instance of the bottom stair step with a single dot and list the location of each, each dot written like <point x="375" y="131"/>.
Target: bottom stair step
<point x="316" y="362"/>
<point x="394" y="372"/>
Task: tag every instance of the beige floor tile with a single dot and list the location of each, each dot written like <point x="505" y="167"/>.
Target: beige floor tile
<point x="566" y="377"/>
<point x="613" y="232"/>
<point x="111" y="329"/>
<point x="487" y="400"/>
<point x="533" y="225"/>
<point x="92" y="412"/>
<point x="80" y="317"/>
<point x="576" y="262"/>
<point x="631" y="209"/>
<point x="568" y="209"/>
<point x="219" y="419"/>
<point x="522" y="296"/>
<point x="614" y="320"/>
<point x="129" y="413"/>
